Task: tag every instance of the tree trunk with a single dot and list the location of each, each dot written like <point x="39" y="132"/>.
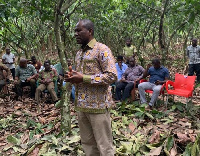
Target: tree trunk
<point x="65" y="102"/>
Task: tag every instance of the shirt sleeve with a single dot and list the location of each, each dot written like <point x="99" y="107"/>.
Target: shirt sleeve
<point x="166" y="73"/>
<point x="3" y="57"/>
<point x="109" y="71"/>
<point x="141" y="72"/>
<point x="34" y="70"/>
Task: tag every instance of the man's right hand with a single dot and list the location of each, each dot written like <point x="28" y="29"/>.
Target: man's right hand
<point x="15" y="82"/>
<point x="123" y="80"/>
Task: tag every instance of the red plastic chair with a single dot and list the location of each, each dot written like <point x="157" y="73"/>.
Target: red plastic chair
<point x="182" y="86"/>
<point x="162" y="92"/>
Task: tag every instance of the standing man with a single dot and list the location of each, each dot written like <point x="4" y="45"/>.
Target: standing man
<point x="95" y="71"/>
<point x="130" y="78"/>
<point x="129" y="50"/>
<point x="193" y="53"/>
<point x="36" y="63"/>
<point x="9" y="60"/>
<point x="158" y="76"/>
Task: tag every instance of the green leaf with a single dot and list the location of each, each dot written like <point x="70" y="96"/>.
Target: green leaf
<point x="194" y="150"/>
<point x="12" y="139"/>
<point x="170" y="143"/>
<point x="149" y="115"/>
<point x="139" y="114"/>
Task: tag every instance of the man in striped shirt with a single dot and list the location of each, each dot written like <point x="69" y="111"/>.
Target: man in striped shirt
<point x="193" y="53"/>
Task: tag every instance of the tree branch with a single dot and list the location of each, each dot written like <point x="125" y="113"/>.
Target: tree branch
<point x="148" y="6"/>
<point x="66" y="6"/>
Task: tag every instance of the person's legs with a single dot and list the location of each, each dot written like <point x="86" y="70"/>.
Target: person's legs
<point x="18" y="88"/>
<point x="197" y="70"/>
<point x="2" y="84"/>
<point x="127" y="91"/>
<point x="87" y="137"/>
<point x="39" y="89"/>
<point x="101" y="126"/>
<point x="119" y="88"/>
<point x="13" y="73"/>
<point x="51" y="90"/>
<point x="142" y="87"/>
<point x="156" y="92"/>
<point x="191" y="70"/>
<point x="33" y="87"/>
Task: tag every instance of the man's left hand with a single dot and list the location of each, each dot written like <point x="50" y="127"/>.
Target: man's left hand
<point x="75" y="78"/>
<point x="158" y="82"/>
<point x="28" y="79"/>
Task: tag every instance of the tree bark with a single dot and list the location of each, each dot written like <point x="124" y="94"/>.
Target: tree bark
<point x="64" y="103"/>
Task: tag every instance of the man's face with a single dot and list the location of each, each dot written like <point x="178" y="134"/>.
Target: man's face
<point x="194" y="43"/>
<point x="82" y="35"/>
<point x="47" y="66"/>
<point x="7" y="51"/>
<point x="128" y="42"/>
<point x="156" y="65"/>
<point x="132" y="62"/>
<point x="33" y="60"/>
<point x="23" y="64"/>
<point x="119" y="62"/>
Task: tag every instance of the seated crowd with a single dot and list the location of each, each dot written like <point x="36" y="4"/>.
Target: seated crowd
<point x="30" y="73"/>
<point x="39" y="78"/>
<point x="129" y="77"/>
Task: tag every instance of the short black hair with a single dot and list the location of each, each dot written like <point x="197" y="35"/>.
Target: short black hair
<point x="119" y="57"/>
<point x="33" y="57"/>
<point x="88" y="24"/>
<point x="128" y="39"/>
<point x="156" y="61"/>
<point x="47" y="61"/>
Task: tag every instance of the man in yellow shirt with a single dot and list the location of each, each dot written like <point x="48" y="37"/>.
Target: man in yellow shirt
<point x="128" y="50"/>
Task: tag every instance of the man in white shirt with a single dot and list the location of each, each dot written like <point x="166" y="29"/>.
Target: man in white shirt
<point x="193" y="53"/>
<point x="9" y="60"/>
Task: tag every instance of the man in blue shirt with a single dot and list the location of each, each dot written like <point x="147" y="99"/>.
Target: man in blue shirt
<point x="121" y="67"/>
<point x="158" y="76"/>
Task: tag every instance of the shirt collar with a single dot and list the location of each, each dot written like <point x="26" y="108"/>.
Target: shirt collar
<point x="92" y="43"/>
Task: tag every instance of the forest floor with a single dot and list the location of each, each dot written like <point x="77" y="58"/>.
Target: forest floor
<point x="137" y="132"/>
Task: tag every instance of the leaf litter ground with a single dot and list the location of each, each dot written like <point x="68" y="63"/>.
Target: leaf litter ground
<point x="171" y="131"/>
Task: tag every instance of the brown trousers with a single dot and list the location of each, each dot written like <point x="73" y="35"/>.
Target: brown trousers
<point x="49" y="87"/>
<point x="96" y="134"/>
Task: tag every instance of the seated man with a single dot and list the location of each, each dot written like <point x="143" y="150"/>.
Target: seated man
<point x="121" y="67"/>
<point x="46" y="80"/>
<point x="4" y="70"/>
<point x="35" y="63"/>
<point x="131" y="76"/>
<point x="25" y="76"/>
<point x="158" y="76"/>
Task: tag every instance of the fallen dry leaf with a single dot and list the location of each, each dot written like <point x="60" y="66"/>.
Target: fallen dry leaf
<point x="155" y="138"/>
<point x="131" y="127"/>
<point x="155" y="151"/>
<point x="41" y="119"/>
<point x="35" y="152"/>
<point x="183" y="138"/>
<point x="173" y="151"/>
